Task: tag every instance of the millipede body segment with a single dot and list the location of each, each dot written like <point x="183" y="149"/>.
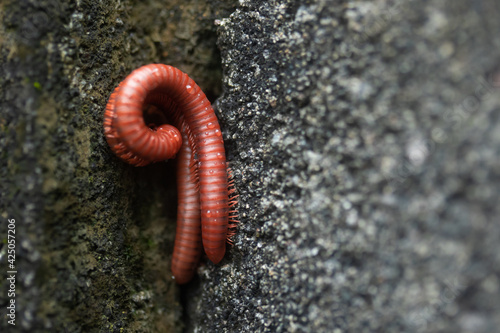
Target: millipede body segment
<point x="195" y="137"/>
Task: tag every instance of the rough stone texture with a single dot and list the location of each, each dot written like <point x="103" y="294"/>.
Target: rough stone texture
<point x="365" y="137"/>
<point x="94" y="235"/>
<point x="364" y="142"/>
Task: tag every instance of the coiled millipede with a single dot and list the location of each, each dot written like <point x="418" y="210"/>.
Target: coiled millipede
<point x="204" y="211"/>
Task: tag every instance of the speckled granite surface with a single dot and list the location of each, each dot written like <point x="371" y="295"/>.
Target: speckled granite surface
<point x="366" y="146"/>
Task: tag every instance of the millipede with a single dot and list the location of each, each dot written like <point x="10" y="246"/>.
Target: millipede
<point x="190" y="132"/>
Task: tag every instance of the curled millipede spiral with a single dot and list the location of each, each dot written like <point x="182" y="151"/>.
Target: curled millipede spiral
<point x="195" y="137"/>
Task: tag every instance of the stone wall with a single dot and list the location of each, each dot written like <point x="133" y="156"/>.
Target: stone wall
<point x="364" y="142"/>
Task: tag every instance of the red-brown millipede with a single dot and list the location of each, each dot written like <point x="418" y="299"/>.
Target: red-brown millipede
<point x="196" y="137"/>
